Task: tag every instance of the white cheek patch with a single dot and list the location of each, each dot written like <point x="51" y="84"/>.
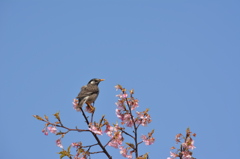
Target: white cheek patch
<point x="92" y="82"/>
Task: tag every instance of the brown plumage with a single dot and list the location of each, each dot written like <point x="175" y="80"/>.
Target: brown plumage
<point x="89" y="93"/>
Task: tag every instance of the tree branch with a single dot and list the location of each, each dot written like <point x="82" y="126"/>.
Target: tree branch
<point x="96" y="137"/>
<point x="135" y="129"/>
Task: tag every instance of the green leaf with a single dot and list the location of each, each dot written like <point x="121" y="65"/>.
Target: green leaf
<point x="64" y="153"/>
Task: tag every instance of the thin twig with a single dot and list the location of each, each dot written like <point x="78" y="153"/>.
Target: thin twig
<point x="79" y="130"/>
<point x="62" y="126"/>
<point x="60" y="121"/>
<point x="138" y="125"/>
<point x="96" y="152"/>
<point x="108" y="142"/>
<point x="90" y="145"/>
<point x="128" y="134"/>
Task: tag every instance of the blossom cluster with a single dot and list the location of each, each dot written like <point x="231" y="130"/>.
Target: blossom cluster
<point x="75" y="105"/>
<point x="59" y="143"/>
<point x="124" y="152"/>
<point x="126" y="104"/>
<point x="81" y="154"/>
<point x="50" y="129"/>
<point x="148" y="140"/>
<point x="95" y="128"/>
<point x="53" y="130"/>
<point x="187" y="144"/>
<point x="114" y="132"/>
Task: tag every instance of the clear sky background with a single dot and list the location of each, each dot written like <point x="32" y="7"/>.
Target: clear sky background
<point x="182" y="57"/>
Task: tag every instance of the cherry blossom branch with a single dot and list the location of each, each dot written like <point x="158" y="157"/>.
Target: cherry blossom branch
<point x="186" y="142"/>
<point x="79" y="130"/>
<point x="135" y="128"/>
<point x="56" y="124"/>
<point x="186" y="147"/>
<point x="95" y="136"/>
<point x="125" y="108"/>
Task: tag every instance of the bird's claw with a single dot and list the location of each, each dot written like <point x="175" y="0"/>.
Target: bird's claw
<point x="90" y="108"/>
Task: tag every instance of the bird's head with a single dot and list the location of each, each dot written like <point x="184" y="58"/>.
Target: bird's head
<point x="95" y="81"/>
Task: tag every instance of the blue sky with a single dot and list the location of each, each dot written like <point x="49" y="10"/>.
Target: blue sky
<point x="181" y="57"/>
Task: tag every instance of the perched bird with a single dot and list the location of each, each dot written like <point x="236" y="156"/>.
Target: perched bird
<point x="89" y="94"/>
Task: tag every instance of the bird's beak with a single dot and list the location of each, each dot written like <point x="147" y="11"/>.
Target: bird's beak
<point x="102" y="79"/>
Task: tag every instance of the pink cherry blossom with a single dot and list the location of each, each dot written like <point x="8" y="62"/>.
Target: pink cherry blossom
<point x="143" y="118"/>
<point x="119" y="115"/>
<point x="189" y="144"/>
<point x="59" y="143"/>
<point x="109" y="130"/>
<point x="44" y="131"/>
<point x="148" y="140"/>
<point x="124" y="152"/>
<point x="174" y="155"/>
<point x="116" y="140"/>
<point x="77" y="156"/>
<point x="120" y="105"/>
<point x="76" y="144"/>
<point x="52" y="129"/>
<point x="133" y="103"/>
<point x="115" y="135"/>
<point x="178" y="137"/>
<point x="128" y="120"/>
<point x="95" y="129"/>
<point x="75" y="105"/>
<point x="113" y="144"/>
<point x="122" y="96"/>
<point x="186" y="155"/>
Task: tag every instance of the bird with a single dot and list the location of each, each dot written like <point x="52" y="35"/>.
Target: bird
<point x="89" y="94"/>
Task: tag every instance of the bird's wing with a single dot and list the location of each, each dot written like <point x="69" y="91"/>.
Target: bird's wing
<point x="87" y="90"/>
